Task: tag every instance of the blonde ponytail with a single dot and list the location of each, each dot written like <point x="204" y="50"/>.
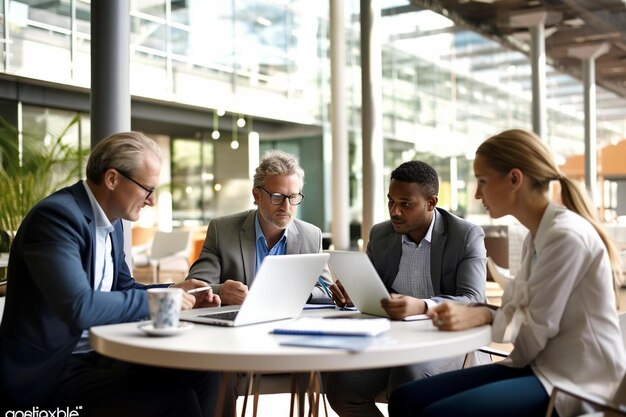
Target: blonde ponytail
<point x="579" y="202"/>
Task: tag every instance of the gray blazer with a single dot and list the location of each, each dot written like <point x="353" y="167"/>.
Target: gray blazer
<point x="457" y="257"/>
<point x="229" y="250"/>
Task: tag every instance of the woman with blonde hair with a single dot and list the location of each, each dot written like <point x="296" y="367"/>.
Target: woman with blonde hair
<point x="559" y="311"/>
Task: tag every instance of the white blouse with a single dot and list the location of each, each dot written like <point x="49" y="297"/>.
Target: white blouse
<point x="560" y="313"/>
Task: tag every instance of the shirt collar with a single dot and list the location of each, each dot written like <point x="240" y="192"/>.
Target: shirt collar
<point x="100" y="218"/>
<point x="429" y="233"/>
<point x="259" y="232"/>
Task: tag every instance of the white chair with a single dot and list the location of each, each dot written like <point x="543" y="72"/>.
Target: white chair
<point x="607" y="407"/>
<point x="498" y="274"/>
<point x="167" y="246"/>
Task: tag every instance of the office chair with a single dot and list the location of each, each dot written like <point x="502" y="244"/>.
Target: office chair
<point x="167" y="245"/>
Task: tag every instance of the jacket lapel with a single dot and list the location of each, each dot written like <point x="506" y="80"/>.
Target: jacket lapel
<point x="82" y="200"/>
<point x="294" y="240"/>
<point x="438" y="242"/>
<point x="247" y="239"/>
<point x="392" y="255"/>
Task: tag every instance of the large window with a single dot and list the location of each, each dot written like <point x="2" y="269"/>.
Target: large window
<point x="192" y="180"/>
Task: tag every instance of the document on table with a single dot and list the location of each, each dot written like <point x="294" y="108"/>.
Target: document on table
<point x="416" y="317"/>
<point x="310" y="306"/>
<point x="351" y="344"/>
<point x="334" y="326"/>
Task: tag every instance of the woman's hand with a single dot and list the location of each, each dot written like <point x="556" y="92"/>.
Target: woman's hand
<point x="454" y="316"/>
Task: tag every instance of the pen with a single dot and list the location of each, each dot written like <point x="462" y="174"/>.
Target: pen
<point x="208" y="287"/>
<point x="321" y="281"/>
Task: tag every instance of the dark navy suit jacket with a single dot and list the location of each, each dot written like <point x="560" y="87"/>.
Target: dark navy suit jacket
<point x="50" y="296"/>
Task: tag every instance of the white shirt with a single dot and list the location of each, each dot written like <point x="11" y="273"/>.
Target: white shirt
<point x="103" y="268"/>
<point x="103" y="260"/>
<point x="560" y="311"/>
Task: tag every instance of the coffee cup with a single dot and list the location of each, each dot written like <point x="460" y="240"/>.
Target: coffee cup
<point x="165" y="304"/>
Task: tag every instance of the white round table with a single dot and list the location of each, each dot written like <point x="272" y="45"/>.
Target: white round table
<point x="254" y="348"/>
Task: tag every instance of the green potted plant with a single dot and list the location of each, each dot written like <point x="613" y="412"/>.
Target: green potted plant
<point x="30" y="169"/>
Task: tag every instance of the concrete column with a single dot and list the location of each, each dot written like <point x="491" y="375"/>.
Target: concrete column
<point x="110" y="94"/>
<point x="588" y="54"/>
<point x="110" y="60"/>
<point x="535" y="22"/>
<point x="340" y="226"/>
<point x="372" y="117"/>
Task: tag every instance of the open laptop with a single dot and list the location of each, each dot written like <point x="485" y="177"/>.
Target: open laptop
<point x="360" y="280"/>
<point x="279" y="291"/>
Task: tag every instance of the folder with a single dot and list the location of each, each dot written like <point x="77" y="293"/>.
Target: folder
<point x="334" y="326"/>
<point x="351" y="344"/>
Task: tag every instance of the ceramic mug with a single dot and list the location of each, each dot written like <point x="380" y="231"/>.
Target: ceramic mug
<point x="165" y="304"/>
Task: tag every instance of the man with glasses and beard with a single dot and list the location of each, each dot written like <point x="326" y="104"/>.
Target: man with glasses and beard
<point x="236" y="245"/>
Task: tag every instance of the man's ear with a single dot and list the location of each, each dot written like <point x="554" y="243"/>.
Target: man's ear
<point x="110" y="178"/>
<point x="432" y="202"/>
<point x="255" y="195"/>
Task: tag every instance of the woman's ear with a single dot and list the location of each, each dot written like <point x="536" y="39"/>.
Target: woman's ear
<point x="516" y="177"/>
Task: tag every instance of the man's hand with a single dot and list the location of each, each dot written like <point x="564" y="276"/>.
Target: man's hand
<point x="340" y="296"/>
<point x="400" y="306"/>
<point x="233" y="292"/>
<point x="197" y="299"/>
<point x="454" y="316"/>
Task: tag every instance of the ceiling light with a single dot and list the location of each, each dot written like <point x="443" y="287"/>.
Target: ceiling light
<point x="576" y="22"/>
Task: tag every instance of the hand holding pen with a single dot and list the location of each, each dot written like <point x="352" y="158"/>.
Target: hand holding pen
<point x="203" y="295"/>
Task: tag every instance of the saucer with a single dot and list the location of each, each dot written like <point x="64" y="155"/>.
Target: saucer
<point x="149" y="329"/>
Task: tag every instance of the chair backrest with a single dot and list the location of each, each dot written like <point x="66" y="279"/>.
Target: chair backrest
<point x="622" y="326"/>
<point x="2" y="300"/>
<point x="495" y="272"/>
<point x="169" y="243"/>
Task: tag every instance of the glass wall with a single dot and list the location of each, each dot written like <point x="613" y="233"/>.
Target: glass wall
<point x="192" y="180"/>
<point x="445" y="89"/>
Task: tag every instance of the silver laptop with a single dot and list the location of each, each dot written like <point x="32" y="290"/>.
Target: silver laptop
<point x="279" y="291"/>
<point x="360" y="280"/>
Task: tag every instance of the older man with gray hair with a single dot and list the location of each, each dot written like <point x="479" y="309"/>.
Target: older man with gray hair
<point x="236" y="245"/>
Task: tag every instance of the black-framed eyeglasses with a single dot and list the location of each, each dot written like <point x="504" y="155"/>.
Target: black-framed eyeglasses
<point x="128" y="177"/>
<point x="278" y="198"/>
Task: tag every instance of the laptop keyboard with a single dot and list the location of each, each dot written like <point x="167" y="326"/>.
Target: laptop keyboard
<point x="229" y="315"/>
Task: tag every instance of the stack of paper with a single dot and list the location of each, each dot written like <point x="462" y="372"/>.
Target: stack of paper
<point x="335" y="326"/>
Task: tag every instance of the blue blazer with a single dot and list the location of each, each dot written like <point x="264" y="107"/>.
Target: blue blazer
<point x="50" y="296"/>
<point x="457" y="257"/>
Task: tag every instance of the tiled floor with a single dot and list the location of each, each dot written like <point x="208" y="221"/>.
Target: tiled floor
<point x="278" y="405"/>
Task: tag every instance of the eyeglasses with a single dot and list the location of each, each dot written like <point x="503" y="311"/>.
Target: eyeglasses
<point x="128" y="177"/>
<point x="278" y="198"/>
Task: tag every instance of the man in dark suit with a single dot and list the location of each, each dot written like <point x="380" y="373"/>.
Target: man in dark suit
<point x="236" y="245"/>
<point x="67" y="273"/>
<point x="424" y="255"/>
